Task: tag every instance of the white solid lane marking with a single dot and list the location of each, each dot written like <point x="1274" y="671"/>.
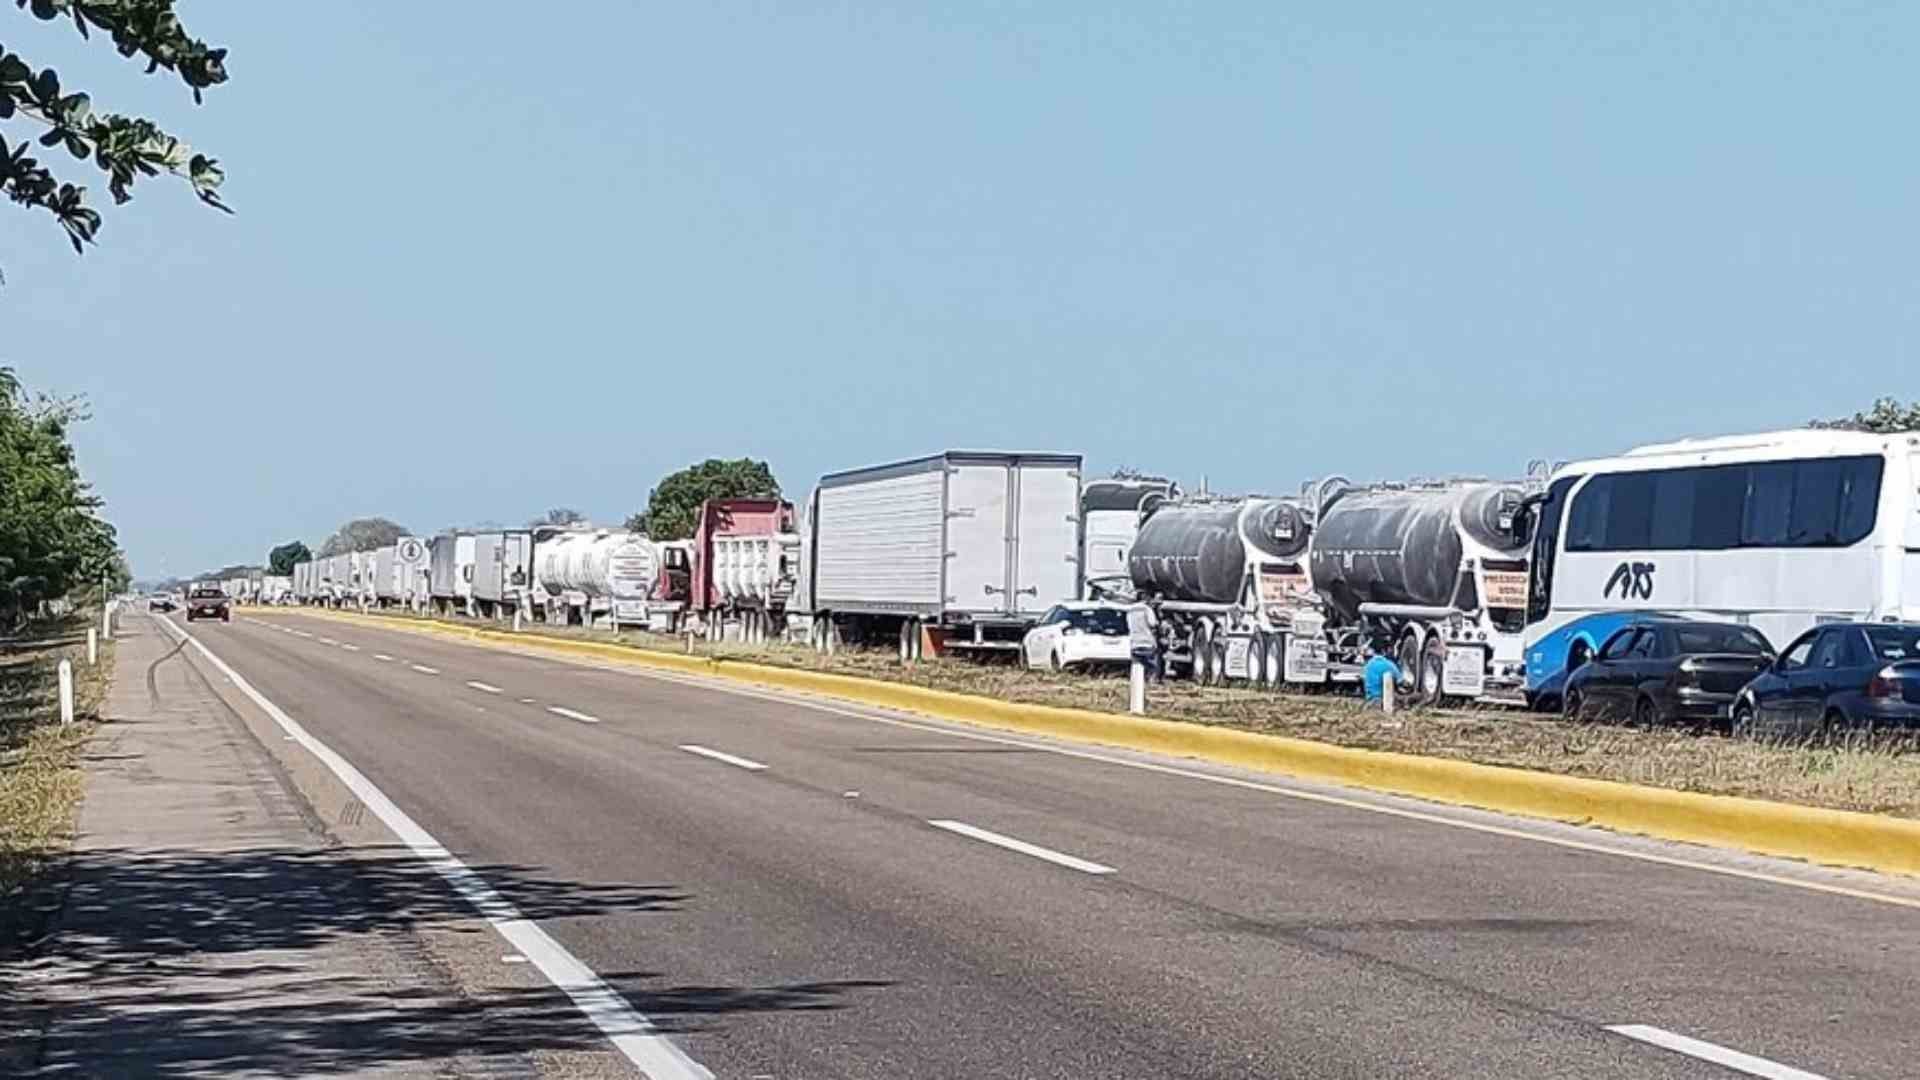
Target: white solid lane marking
<point x="424" y="669"/>
<point x="744" y="763"/>
<point x="1719" y="1055"/>
<point x="485" y="687"/>
<point x="571" y="715"/>
<point x="1021" y="846"/>
<point x="381" y="656"/>
<point x="635" y="1036"/>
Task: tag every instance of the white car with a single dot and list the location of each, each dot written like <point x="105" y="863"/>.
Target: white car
<point x="1080" y="634"/>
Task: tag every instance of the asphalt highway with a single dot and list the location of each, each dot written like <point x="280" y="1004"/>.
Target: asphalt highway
<point x="844" y="894"/>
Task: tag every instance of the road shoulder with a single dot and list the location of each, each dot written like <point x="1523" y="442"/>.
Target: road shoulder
<point x="217" y="914"/>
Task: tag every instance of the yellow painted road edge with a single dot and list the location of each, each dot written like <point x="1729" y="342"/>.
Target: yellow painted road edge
<point x="1832" y="837"/>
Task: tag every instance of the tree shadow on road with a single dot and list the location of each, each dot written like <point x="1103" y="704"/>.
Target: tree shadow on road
<point x="186" y="963"/>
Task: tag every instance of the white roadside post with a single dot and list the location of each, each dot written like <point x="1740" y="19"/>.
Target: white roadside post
<point x="516" y="618"/>
<point x="1137" y="688"/>
<point x="1387" y="686"/>
<point x="106" y="620"/>
<point x="66" y="692"/>
<point x="93" y="646"/>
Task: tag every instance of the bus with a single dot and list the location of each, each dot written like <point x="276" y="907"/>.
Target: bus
<point x="1778" y="531"/>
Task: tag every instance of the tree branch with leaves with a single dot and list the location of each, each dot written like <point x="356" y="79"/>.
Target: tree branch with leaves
<point x="125" y="148"/>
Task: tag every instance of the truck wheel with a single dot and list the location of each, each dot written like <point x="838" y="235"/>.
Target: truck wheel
<point x="1276" y="661"/>
<point x="1220" y="660"/>
<point x="1257" y="661"/>
<point x="1433" y="669"/>
<point x="1407" y="655"/>
<point x="1201" y="646"/>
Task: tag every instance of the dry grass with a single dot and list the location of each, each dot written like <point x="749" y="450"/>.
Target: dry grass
<point x="1879" y="774"/>
<point x="40" y="778"/>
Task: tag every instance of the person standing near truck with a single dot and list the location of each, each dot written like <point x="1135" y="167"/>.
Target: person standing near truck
<point x="1144" y="643"/>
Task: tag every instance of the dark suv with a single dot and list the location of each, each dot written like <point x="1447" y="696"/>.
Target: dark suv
<point x="1835" y="676"/>
<point x="209" y="602"/>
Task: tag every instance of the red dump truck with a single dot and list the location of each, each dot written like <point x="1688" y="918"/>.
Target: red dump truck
<point x="738" y="571"/>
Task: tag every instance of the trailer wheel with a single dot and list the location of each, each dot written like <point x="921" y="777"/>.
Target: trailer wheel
<point x="1276" y="661"/>
<point x="1433" y="669"/>
<point x="1407" y="654"/>
<point x="1257" y="661"/>
<point x="1201" y="646"/>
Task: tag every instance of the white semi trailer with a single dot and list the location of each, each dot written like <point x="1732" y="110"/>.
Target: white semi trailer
<point x="502" y="571"/>
<point x="960" y="549"/>
<point x="450" y="573"/>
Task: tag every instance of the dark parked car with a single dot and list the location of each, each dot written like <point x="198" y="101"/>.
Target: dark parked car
<point x="1654" y="670"/>
<point x="1840" y="675"/>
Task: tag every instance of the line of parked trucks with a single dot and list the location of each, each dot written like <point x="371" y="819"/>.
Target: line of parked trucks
<point x="966" y="551"/>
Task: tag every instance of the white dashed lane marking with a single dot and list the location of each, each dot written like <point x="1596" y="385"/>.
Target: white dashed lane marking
<point x="1719" y="1055"/>
<point x="1057" y="858"/>
<point x="424" y="669"/>
<point x="571" y="715"/>
<point x="744" y="763"/>
<point x="484" y="687"/>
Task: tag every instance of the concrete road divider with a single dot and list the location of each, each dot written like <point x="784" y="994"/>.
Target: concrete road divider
<point x="1832" y="837"/>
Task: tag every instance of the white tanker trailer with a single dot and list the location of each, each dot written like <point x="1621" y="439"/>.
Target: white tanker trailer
<point x="1284" y="590"/>
<point x="584" y="577"/>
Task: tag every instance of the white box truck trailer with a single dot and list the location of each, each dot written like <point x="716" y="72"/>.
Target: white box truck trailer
<point x="450" y="573"/>
<point x="961" y="550"/>
<point x="502" y="571"/>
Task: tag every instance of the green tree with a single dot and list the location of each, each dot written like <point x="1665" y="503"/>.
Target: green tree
<point x="559" y="515"/>
<point x="672" y="507"/>
<point x="1888" y="416"/>
<point x="281" y="560"/>
<point x="125" y="148"/>
<point x="52" y="540"/>
<point x="363" y="534"/>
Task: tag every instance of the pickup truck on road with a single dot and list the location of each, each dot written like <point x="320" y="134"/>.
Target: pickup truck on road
<point x="209" y="602"/>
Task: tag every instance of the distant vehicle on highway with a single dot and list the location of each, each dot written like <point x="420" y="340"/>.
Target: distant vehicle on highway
<point x="209" y="601"/>
<point x="1080" y="634"/>
<point x="1835" y="677"/>
<point x="161" y="602"/>
<point x="1655" y="670"/>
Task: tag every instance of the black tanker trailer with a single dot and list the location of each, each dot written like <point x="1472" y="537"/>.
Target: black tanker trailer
<point x="1435" y="575"/>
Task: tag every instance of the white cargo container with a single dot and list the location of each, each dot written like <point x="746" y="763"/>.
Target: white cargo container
<point x="450" y="572"/>
<point x="972" y="547"/>
<point x="502" y="571"/>
<point x="276" y="588"/>
<point x="302" y="582"/>
<point x="338" y="579"/>
<point x="388" y="586"/>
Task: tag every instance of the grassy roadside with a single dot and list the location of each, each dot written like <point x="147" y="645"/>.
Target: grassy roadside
<point x="40" y="778"/>
<point x="1877" y="774"/>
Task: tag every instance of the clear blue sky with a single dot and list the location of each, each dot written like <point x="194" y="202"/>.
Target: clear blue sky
<point x="487" y="262"/>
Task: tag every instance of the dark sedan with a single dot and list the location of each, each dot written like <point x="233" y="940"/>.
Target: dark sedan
<point x="1654" y="670"/>
<point x="1837" y="676"/>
